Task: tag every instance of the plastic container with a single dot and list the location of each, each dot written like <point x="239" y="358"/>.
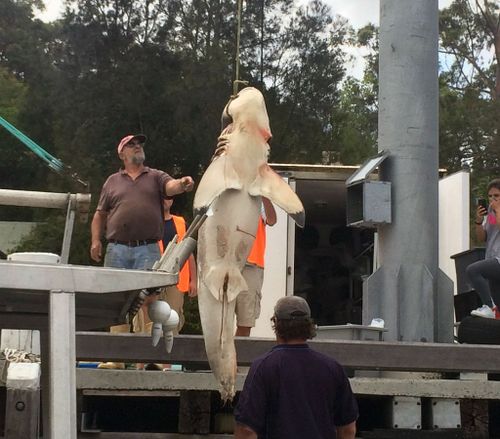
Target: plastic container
<point x="466" y="298"/>
<point x="35" y="257"/>
<point x="462" y="261"/>
<point x="87" y="364"/>
<point x="350" y="332"/>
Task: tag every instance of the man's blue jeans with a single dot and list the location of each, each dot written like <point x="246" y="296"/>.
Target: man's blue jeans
<point x="141" y="257"/>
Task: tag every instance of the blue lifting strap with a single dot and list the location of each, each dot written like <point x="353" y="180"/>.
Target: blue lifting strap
<point x="53" y="162"/>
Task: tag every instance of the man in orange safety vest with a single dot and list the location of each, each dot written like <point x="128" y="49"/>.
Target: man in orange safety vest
<point x="248" y="302"/>
<point x="174" y="295"/>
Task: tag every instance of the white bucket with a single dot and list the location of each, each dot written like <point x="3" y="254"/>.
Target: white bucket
<point x="35" y="257"/>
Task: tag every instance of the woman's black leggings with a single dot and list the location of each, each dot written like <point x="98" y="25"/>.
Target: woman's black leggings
<point x="485" y="278"/>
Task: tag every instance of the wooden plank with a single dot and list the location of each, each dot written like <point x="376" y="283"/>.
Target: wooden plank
<point x="134" y="393"/>
<point x="122" y="435"/>
<point x="413" y="434"/>
<point x="118" y="381"/>
<point x="23" y="320"/>
<point x="136" y="348"/>
<point x="194" y="412"/>
<point x="22" y="413"/>
<point x="475" y="418"/>
<point x="129" y="380"/>
<point x="426" y="388"/>
<point x="352" y="354"/>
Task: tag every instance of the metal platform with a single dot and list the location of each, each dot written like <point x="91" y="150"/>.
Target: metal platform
<point x="57" y="299"/>
<point x="102" y="295"/>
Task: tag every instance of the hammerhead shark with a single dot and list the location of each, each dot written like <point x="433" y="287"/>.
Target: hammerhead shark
<point x="231" y="188"/>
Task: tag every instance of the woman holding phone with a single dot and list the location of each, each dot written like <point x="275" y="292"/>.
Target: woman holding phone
<point x="485" y="275"/>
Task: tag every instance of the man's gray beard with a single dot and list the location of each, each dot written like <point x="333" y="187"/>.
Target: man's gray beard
<point x="138" y="159"/>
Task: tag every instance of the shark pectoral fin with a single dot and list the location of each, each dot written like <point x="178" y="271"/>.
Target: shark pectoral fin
<point x="270" y="185"/>
<point x="219" y="176"/>
<point x="222" y="280"/>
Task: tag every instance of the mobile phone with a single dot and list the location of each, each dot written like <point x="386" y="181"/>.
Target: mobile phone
<point x="482" y="202"/>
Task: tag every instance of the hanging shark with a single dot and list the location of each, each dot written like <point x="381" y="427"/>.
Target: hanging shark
<point x="232" y="187"/>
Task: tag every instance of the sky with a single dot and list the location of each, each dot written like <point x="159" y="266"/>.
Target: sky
<point x="361" y="12"/>
<point x="358" y="12"/>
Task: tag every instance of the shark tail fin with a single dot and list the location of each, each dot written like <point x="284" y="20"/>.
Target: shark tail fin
<point x="225" y="283"/>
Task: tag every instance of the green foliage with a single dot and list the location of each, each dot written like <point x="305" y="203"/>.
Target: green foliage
<point x="13" y="92"/>
<point x="47" y="236"/>
<point x="355" y="123"/>
<point x="192" y="324"/>
<point x="470" y="89"/>
<point x="14" y="167"/>
<point x="163" y="68"/>
<point x="306" y="71"/>
<point x="469" y="30"/>
<point x="355" y="120"/>
<point x="367" y="38"/>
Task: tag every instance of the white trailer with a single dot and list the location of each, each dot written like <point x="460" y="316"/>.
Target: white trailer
<point x="327" y="261"/>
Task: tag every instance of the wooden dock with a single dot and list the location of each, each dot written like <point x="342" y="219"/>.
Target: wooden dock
<point x="422" y="374"/>
<point x="360" y="355"/>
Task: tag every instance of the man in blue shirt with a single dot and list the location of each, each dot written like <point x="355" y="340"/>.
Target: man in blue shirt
<point x="294" y="392"/>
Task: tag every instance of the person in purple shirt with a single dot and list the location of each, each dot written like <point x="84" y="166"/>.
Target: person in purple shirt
<point x="294" y="392"/>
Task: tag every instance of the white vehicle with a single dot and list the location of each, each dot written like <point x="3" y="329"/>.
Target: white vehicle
<point x="327" y="261"/>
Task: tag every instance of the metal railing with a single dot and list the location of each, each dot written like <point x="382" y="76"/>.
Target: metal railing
<point x="75" y="204"/>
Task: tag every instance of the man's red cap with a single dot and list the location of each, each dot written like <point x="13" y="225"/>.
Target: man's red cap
<point x="140" y="137"/>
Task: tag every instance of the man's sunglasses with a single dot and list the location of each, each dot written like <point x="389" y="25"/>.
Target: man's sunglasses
<point x="134" y="143"/>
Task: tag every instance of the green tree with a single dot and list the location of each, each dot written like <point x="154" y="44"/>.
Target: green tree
<point x="355" y="120"/>
<point x="355" y="123"/>
<point x="305" y="75"/>
<point x="165" y="68"/>
<point x="14" y="166"/>
<point x="470" y="87"/>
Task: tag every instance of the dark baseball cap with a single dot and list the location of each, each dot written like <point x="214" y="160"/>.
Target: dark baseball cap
<point x="292" y="308"/>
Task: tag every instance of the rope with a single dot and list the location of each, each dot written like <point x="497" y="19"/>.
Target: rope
<point x="237" y="80"/>
<point x="54" y="163"/>
<point x="18" y="356"/>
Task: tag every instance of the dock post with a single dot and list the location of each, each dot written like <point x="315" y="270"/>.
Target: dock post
<point x="62" y="364"/>
<point x="22" y="406"/>
<point x="194" y="412"/>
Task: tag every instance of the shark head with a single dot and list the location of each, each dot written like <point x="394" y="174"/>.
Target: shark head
<point x="248" y="107"/>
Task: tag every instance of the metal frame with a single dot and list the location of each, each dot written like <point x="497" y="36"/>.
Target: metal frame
<point x="40" y="296"/>
<point x="74" y="203"/>
<point x="59" y="298"/>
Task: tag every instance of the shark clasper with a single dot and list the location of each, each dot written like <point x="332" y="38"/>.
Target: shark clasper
<point x="232" y="187"/>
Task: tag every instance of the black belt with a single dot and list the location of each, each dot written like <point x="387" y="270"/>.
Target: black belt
<point x="135" y="243"/>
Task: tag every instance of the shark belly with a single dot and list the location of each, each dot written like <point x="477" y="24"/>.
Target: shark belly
<point x="224" y="242"/>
